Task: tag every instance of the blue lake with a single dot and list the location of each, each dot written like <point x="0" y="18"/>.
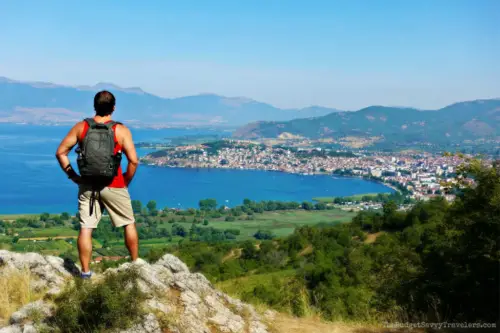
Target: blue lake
<point x="32" y="181"/>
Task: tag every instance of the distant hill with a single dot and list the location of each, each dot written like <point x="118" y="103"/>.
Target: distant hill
<point x="460" y="121"/>
<point x="48" y="103"/>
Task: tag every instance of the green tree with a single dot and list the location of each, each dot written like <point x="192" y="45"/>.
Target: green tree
<point x="264" y="234"/>
<point x="320" y="206"/>
<point x="208" y="204"/>
<point x="248" y="250"/>
<point x="389" y="208"/>
<point x="462" y="255"/>
<point x="151" y="205"/>
<point x="136" y="206"/>
<point x="307" y="205"/>
<point x="65" y="216"/>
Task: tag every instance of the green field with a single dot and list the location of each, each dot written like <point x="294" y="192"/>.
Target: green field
<point x="46" y="247"/>
<point x="356" y="197"/>
<point x="52" y="240"/>
<point x="50" y="232"/>
<point x="282" y="223"/>
<point x="154" y="242"/>
<point x="11" y="217"/>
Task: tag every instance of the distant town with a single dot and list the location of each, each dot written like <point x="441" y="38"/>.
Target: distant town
<point x="419" y="175"/>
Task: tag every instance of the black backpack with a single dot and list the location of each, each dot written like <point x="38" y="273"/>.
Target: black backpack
<point x="97" y="162"/>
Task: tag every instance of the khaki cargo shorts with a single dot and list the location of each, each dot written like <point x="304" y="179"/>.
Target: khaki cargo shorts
<point x="116" y="201"/>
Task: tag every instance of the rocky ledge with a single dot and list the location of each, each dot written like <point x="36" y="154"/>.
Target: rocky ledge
<point x="188" y="300"/>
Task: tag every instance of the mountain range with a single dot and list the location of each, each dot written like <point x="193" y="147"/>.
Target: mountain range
<point x="457" y="122"/>
<point x="49" y="103"/>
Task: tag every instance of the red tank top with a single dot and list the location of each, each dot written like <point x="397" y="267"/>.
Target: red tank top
<point x="118" y="181"/>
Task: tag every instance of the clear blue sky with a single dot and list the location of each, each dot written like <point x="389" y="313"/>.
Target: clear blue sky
<point x="344" y="54"/>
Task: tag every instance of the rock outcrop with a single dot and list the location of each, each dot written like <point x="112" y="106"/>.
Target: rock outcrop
<point x="178" y="301"/>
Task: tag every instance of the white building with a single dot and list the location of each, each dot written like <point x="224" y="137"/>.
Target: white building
<point x="376" y="173"/>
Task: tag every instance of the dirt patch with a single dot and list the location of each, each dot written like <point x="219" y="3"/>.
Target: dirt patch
<point x="371" y="238"/>
<point x="233" y="254"/>
<point x="307" y="250"/>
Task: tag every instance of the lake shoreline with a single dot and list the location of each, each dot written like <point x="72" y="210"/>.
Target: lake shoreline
<point x="187" y="206"/>
<point x="317" y="173"/>
<point x="28" y="168"/>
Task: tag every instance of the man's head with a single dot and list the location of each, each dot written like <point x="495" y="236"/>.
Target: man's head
<point x="104" y="103"/>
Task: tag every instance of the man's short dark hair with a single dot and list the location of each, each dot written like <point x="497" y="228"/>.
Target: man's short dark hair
<point x="104" y="102"/>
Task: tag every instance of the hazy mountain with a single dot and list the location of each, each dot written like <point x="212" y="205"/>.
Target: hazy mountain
<point x="41" y="102"/>
<point x="464" y="120"/>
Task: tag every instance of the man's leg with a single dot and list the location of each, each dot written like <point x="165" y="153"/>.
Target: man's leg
<point x="118" y="204"/>
<point x="89" y="218"/>
<point x="132" y="241"/>
<point x="85" y="248"/>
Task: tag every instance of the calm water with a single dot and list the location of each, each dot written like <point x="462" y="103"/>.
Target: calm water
<point x="32" y="181"/>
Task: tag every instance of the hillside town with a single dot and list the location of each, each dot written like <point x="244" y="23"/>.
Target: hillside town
<point x="421" y="175"/>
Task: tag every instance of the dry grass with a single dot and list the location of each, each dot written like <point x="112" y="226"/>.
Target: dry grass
<point x="5" y="246"/>
<point x="314" y="324"/>
<point x="15" y="292"/>
<point x="283" y="323"/>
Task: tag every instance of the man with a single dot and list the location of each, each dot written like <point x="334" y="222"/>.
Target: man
<point x="101" y="186"/>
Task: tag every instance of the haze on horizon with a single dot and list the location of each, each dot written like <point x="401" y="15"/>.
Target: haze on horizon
<point x="341" y="54"/>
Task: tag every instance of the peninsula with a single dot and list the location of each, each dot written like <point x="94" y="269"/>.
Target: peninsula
<point x="417" y="174"/>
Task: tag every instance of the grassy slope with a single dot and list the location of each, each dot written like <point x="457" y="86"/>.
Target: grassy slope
<point x="237" y="287"/>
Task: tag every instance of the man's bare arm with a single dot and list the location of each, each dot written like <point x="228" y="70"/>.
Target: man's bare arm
<point x="129" y="151"/>
<point x="63" y="150"/>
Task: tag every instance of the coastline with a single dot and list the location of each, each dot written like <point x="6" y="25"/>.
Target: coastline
<point x="371" y="180"/>
<point x="317" y="173"/>
<point x="140" y="192"/>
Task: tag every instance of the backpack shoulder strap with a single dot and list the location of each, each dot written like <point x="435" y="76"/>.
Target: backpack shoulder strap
<point x="111" y="124"/>
<point x="91" y="122"/>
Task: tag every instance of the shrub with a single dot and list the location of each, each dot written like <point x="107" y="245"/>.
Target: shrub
<point x="114" y="303"/>
<point x="264" y="234"/>
<point x="155" y="254"/>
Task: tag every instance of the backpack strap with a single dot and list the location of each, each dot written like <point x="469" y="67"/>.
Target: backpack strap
<point x="91" y="122"/>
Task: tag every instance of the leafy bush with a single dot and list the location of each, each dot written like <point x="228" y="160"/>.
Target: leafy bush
<point x="264" y="234"/>
<point x="114" y="303"/>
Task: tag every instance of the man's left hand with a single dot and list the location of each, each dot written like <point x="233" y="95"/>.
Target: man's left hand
<point x="76" y="179"/>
